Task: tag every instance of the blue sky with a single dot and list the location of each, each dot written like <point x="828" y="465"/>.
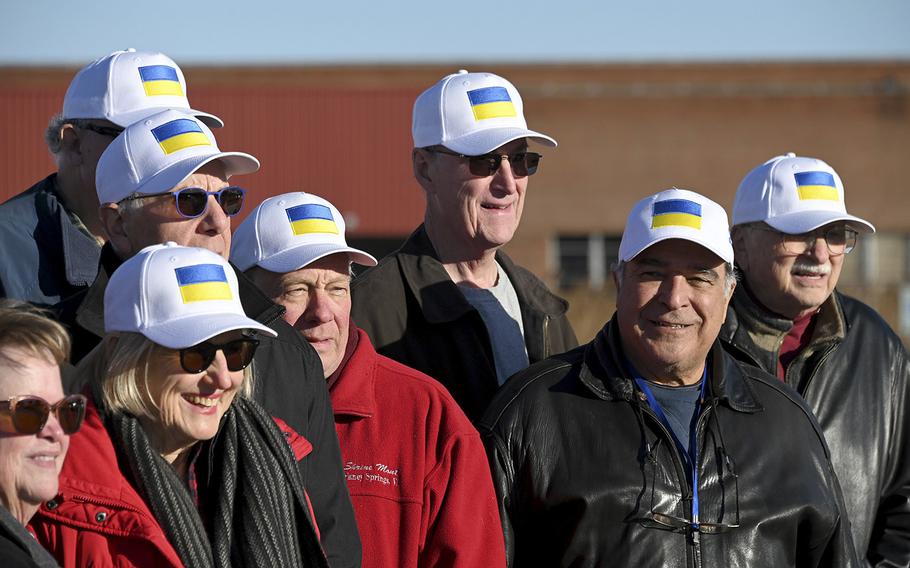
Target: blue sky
<point x="399" y="31"/>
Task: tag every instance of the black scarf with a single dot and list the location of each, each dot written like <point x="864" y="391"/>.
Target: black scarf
<point x="257" y="513"/>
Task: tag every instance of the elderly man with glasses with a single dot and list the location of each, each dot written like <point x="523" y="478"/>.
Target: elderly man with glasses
<point x="50" y="235"/>
<point x="792" y="233"/>
<point x="650" y="446"/>
<point x="449" y="302"/>
<point x="164" y="179"/>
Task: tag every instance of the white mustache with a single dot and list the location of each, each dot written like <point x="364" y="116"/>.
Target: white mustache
<point x="802" y="266"/>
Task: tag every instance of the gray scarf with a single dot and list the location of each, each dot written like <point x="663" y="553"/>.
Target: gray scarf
<point x="253" y="511"/>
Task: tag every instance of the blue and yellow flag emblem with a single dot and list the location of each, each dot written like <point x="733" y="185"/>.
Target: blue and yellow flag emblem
<point x="311" y="218"/>
<point x="491" y="102"/>
<point x="179" y="134"/>
<point x="160" y="80"/>
<point x="816" y="185"/>
<point x="676" y="213"/>
<point x="203" y="282"/>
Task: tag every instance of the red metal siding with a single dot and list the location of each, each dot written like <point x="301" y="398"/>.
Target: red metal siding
<point x="350" y="146"/>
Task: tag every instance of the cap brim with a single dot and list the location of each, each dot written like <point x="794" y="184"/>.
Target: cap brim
<point x="235" y="163"/>
<point x="191" y="330"/>
<point x="296" y="258"/>
<point x="805" y="221"/>
<point x="483" y="141"/>
<point x="125" y="119"/>
<point x="725" y="254"/>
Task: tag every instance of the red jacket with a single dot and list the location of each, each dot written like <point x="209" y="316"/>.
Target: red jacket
<point x="416" y="469"/>
<point x="98" y="518"/>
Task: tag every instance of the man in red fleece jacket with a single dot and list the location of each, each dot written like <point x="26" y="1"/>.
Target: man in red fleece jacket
<point x="415" y="466"/>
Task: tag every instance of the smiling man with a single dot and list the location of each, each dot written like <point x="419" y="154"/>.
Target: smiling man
<point x="650" y="446"/>
<point x="792" y="233"/>
<point x="449" y="302"/>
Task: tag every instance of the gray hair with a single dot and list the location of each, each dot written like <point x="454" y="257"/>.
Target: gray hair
<point x="52" y="134"/>
<point x="731" y="275"/>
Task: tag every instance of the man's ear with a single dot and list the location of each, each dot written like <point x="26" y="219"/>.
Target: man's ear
<point x="70" y="145"/>
<point x="114" y="224"/>
<point x="420" y="161"/>
<point x="739" y="236"/>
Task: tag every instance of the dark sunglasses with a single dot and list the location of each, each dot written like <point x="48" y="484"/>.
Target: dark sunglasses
<point x="28" y="414"/>
<point x="193" y="201"/>
<point x="238" y="354"/>
<point x="523" y="163"/>
<point x="112" y="131"/>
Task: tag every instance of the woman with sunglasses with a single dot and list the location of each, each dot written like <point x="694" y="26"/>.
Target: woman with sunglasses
<point x="36" y="422"/>
<point x="176" y="465"/>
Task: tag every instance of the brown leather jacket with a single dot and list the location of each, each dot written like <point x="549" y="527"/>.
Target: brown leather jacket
<point x="415" y="314"/>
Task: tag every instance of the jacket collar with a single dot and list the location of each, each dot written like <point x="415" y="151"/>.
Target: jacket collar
<point x="438" y="296"/>
<point x="759" y="332"/>
<point x="255" y="303"/>
<point x="90" y="314"/>
<point x="80" y="249"/>
<point x="354" y="393"/>
<point x="603" y="371"/>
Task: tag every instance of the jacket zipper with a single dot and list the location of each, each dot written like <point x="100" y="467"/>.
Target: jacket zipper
<point x="546" y="338"/>
<point x="694" y="536"/>
<point x="802" y="388"/>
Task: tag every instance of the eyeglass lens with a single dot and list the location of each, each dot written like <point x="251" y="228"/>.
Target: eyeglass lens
<point x="522" y="163"/>
<point x="238" y="354"/>
<point x="839" y="240"/>
<point x="193" y="201"/>
<point x="29" y="414"/>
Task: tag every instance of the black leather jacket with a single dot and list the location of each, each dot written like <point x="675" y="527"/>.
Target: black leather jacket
<point x="854" y="374"/>
<point x="580" y="462"/>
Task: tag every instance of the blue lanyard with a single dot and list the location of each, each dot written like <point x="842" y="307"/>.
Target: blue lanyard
<point x="692" y="456"/>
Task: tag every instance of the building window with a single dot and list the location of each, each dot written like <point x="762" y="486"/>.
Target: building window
<point x="585" y="260"/>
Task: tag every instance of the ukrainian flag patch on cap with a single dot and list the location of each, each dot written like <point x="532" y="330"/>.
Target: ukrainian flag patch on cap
<point x="816" y="185"/>
<point x="180" y="134"/>
<point x="491" y="102"/>
<point x="160" y="80"/>
<point x="311" y="218"/>
<point x="676" y="213"/>
<point x="203" y="282"/>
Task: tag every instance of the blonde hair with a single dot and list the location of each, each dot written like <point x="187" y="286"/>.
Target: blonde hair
<point x="126" y="360"/>
<point x="30" y="329"/>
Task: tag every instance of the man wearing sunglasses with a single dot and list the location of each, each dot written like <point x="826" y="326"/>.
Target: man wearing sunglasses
<point x="165" y="179"/>
<point x="50" y="235"/>
<point x="449" y="302"/>
<point x="651" y="446"/>
<point x="792" y="234"/>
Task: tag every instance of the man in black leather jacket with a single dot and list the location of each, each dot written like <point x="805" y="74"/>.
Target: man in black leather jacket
<point x="591" y="451"/>
<point x="791" y="233"/>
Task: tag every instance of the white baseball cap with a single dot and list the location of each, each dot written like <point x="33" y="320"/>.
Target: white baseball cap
<point x="175" y="296"/>
<point x="794" y="195"/>
<point x="127" y="86"/>
<point x="472" y="114"/>
<point x="289" y="231"/>
<point x="676" y="214"/>
<point x="159" y="152"/>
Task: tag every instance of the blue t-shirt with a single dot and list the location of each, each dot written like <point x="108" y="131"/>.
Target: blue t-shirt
<point x="679" y="405"/>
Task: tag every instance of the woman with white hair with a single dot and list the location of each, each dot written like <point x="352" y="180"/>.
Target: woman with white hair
<point x="176" y="465"/>
<point x="36" y="422"/>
